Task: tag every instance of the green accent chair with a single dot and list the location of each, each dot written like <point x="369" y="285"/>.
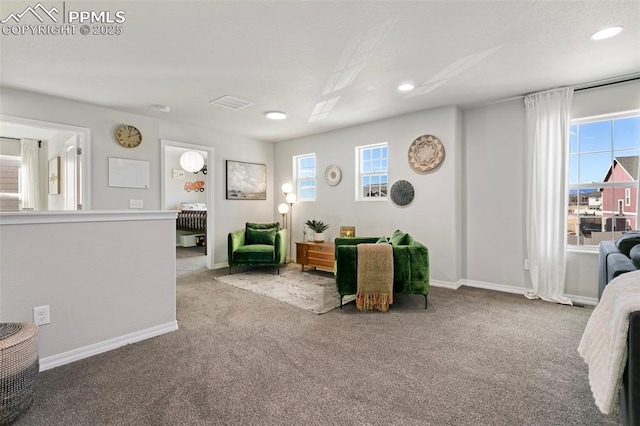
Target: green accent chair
<point x="262" y="244"/>
<point x="410" y="264"/>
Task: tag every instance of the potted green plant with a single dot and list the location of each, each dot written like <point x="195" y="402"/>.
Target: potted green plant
<point x="318" y="227"/>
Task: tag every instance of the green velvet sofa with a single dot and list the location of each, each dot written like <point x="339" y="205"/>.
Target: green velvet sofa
<point x="410" y="264"/>
<point x="257" y="244"/>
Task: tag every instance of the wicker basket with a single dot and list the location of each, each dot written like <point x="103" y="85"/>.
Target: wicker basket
<point x="19" y="368"/>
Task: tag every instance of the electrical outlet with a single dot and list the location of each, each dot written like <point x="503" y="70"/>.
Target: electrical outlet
<point x="136" y="204"/>
<point x="41" y="315"/>
<point x="526" y="264"/>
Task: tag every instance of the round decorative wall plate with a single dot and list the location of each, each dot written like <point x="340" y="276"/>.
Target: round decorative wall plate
<point x="332" y="175"/>
<point x="426" y="153"/>
<point x="402" y="193"/>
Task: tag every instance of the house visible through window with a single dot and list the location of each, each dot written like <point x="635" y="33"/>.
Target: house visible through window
<point x="603" y="178"/>
<point x="305" y="176"/>
<point x="372" y="166"/>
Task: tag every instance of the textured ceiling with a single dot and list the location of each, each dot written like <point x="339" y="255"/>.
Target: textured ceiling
<point x="327" y="64"/>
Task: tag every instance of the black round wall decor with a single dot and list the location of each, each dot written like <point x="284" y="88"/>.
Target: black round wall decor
<point x="402" y="193"/>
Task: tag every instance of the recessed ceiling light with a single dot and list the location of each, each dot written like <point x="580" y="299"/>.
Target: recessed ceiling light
<point x="406" y="87"/>
<point x="607" y="32"/>
<point x="276" y="115"/>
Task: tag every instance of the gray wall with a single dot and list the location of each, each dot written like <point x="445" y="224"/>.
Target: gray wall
<point x="102" y="122"/>
<point x="494" y="138"/>
<point x="470" y="212"/>
<point x="493" y="193"/>
<point x="104" y="276"/>
<point x="433" y="218"/>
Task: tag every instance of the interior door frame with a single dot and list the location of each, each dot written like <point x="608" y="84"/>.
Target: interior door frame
<point x="208" y="184"/>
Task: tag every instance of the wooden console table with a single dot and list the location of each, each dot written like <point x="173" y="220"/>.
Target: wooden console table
<point x="319" y="255"/>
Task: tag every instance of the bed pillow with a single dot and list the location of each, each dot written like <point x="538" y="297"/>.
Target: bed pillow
<point x="193" y="206"/>
<point x="626" y="242"/>
<point x="261" y="236"/>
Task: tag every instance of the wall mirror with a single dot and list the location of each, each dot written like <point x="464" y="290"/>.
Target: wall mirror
<point x="28" y="149"/>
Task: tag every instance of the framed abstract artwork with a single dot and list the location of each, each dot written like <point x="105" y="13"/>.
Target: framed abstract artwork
<point x="54" y="176"/>
<point x="246" y="181"/>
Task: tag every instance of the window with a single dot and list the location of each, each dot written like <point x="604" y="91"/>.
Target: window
<point x="304" y="172"/>
<point x="372" y="166"/>
<point x="10" y="183"/>
<point x="603" y="178"/>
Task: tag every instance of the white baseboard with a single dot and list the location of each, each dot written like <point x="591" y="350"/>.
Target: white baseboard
<point x="98" y="348"/>
<point x="444" y="284"/>
<point x="220" y="265"/>
<point x="581" y="300"/>
<point x="493" y="286"/>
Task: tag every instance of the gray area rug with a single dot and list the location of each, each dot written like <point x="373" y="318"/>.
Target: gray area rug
<point x="313" y="291"/>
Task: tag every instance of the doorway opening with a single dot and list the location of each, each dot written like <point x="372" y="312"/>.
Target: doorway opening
<point x="191" y="193"/>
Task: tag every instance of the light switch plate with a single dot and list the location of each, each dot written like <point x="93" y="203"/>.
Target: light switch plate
<point x="136" y="204"/>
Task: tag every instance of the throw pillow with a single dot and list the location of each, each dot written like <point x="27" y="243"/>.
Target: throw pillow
<point x="626" y="242"/>
<point x="263" y="225"/>
<point x="261" y="236"/>
<point x="399" y="238"/>
<point x="634" y="254"/>
<point x="383" y="240"/>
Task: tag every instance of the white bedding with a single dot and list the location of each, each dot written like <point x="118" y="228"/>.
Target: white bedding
<point x="193" y="206"/>
<point x="604" y="342"/>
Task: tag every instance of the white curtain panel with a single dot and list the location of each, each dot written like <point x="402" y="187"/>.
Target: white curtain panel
<point x="29" y="186"/>
<point x="548" y="117"/>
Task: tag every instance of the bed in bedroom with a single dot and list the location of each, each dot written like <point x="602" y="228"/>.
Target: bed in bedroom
<point x="192" y="217"/>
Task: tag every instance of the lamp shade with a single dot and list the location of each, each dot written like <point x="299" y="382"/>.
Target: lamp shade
<point x="283" y="208"/>
<point x="291" y="198"/>
<point x="191" y="161"/>
<point x="287" y="188"/>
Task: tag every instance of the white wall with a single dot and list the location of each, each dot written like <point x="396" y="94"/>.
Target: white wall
<point x="434" y="216"/>
<point x="494" y="184"/>
<point x="174" y="188"/>
<point x="109" y="278"/>
<point x="229" y="215"/>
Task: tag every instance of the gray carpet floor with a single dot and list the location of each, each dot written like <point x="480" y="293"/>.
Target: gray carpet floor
<point x="475" y="357"/>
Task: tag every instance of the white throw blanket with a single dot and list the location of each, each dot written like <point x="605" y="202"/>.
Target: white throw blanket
<point x="604" y="342"/>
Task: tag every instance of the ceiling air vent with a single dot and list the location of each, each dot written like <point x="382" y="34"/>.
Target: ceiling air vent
<point x="230" y="102"/>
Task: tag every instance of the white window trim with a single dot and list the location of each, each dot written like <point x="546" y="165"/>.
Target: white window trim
<point x="359" y="195"/>
<point x="627" y="197"/>
<point x="579" y="248"/>
<point x="297" y="181"/>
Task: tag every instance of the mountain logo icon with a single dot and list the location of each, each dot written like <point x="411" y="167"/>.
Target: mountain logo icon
<point x="38" y="11"/>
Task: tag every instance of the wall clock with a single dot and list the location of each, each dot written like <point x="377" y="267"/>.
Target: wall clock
<point x="128" y="136"/>
<point x="402" y="193"/>
<point x="426" y="153"/>
<point x="332" y="175"/>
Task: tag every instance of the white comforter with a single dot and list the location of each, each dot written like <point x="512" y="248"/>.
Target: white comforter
<point x="604" y="342"/>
